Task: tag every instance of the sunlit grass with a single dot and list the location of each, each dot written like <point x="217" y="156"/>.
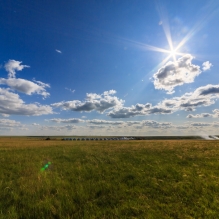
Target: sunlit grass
<point x="109" y="179"/>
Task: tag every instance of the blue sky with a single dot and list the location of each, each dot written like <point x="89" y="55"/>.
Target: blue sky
<point x="109" y="67"/>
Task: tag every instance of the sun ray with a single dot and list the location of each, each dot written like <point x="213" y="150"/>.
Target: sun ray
<point x="172" y="52"/>
<point x="165" y="24"/>
<point x="143" y="45"/>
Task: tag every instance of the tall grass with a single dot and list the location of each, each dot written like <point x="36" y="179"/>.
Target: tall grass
<point x="109" y="179"/>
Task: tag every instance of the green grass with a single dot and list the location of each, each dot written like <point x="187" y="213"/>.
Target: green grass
<point x="109" y="179"/>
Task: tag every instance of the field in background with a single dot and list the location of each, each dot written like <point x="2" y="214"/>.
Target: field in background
<point x="109" y="179"/>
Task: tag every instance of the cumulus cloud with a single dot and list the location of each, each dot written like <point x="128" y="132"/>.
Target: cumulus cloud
<point x="155" y="124"/>
<point x="8" y="123"/>
<point x="135" y="124"/>
<point x="25" y="86"/>
<point x="200" y="124"/>
<point x="206" y="66"/>
<point x="35" y="124"/>
<point x="202" y="115"/>
<point x="104" y="122"/>
<point x="96" y="126"/>
<point x="22" y="85"/>
<point x="176" y="73"/>
<point x="93" y="101"/>
<point x="12" y="66"/>
<point x="202" y="96"/>
<point x="138" y="110"/>
<point x="181" y="127"/>
<point x="57" y="128"/>
<point x="71" y="120"/>
<point x="110" y="92"/>
<point x="11" y="104"/>
<point x="215" y="114"/>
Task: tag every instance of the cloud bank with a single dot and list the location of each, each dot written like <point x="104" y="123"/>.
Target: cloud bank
<point x="71" y="120"/>
<point x="215" y="114"/>
<point x="8" y="123"/>
<point x="202" y="96"/>
<point x="138" y="110"/>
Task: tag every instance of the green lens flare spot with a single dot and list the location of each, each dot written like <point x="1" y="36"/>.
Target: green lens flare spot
<point x="45" y="166"/>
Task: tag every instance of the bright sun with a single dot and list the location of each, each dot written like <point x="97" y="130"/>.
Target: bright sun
<point x="172" y="52"/>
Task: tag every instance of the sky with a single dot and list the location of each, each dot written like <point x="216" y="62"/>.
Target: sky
<point x="114" y="67"/>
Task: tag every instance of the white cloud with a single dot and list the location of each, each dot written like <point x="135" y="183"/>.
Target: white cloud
<point x="93" y="101"/>
<point x="200" y="124"/>
<point x="202" y="96"/>
<point x="35" y="124"/>
<point x="22" y="85"/>
<point x="25" y="86"/>
<point x="134" y="124"/>
<point x="110" y="92"/>
<point x="9" y="123"/>
<point x="138" y="110"/>
<point x="11" y="104"/>
<point x="58" y="51"/>
<point x="202" y="115"/>
<point x="104" y="122"/>
<point x="42" y="84"/>
<point x="215" y="114"/>
<point x="12" y="66"/>
<point x="206" y="66"/>
<point x="176" y="73"/>
<point x="70" y="89"/>
<point x="97" y="127"/>
<point x="57" y="128"/>
<point x="71" y="120"/>
<point x="154" y="124"/>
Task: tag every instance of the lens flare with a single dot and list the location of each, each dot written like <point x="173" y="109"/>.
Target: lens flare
<point x="46" y="166"/>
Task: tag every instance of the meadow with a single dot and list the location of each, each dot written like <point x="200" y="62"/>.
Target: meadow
<point x="108" y="179"/>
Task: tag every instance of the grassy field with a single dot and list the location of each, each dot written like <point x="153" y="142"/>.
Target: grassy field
<point x="109" y="179"/>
